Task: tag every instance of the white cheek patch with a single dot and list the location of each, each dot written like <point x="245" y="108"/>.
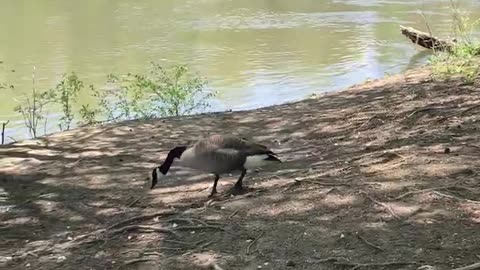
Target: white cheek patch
<point x="255" y="161"/>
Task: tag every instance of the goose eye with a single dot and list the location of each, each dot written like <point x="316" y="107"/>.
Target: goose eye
<point x="244" y="139"/>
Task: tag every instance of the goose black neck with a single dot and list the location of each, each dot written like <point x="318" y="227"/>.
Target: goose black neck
<point x="174" y="153"/>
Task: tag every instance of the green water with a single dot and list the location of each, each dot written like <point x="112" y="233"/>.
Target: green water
<point x="254" y="52"/>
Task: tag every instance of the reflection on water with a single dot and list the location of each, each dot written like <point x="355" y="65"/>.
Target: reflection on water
<point x="254" y="52"/>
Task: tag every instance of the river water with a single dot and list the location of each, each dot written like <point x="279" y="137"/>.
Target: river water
<point x="253" y="52"/>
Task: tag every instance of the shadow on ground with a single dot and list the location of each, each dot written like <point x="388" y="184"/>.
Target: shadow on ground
<point x="382" y="175"/>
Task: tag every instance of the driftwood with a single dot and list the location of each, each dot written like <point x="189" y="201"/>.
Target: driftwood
<point x="426" y="40"/>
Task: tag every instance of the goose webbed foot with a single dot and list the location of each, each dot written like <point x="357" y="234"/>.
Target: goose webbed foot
<point x="212" y="194"/>
<point x="238" y="190"/>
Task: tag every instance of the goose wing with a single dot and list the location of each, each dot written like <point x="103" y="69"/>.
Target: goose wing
<point x="235" y="145"/>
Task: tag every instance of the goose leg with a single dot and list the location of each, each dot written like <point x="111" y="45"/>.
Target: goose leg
<point x="238" y="184"/>
<point x="238" y="188"/>
<point x="214" y="188"/>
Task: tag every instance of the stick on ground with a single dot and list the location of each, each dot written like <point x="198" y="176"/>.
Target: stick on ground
<point x="253" y="242"/>
<point x="421" y="191"/>
<point x="474" y="266"/>
<point x="385" y="206"/>
<point x="368" y="242"/>
<point x="142" y="228"/>
<point x="140" y="218"/>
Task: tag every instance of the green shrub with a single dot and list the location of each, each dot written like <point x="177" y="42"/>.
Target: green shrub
<point x="65" y="94"/>
<point x="163" y="92"/>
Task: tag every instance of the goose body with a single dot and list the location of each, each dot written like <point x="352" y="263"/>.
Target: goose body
<point x="218" y="154"/>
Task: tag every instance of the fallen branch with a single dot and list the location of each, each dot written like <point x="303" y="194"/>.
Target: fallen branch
<point x="385" y="206"/>
<point x="426" y="40"/>
<point x="421" y="191"/>
<point x="469" y="267"/>
<point x="140" y="218"/>
<point x="455" y="197"/>
<point x="142" y="228"/>
<point x="368" y="243"/>
<point x="247" y="251"/>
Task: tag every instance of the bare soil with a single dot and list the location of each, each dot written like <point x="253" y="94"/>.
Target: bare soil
<point x="383" y="175"/>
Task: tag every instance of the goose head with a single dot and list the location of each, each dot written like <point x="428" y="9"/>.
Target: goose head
<point x="173" y="154"/>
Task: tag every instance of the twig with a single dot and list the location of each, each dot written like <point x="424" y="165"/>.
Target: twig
<point x="177" y="242"/>
<point x="138" y="260"/>
<point x="152" y="253"/>
<point x="423" y="110"/>
<point x="139" y="218"/>
<point x="473" y="145"/>
<point x="191" y="221"/>
<point x="134" y="202"/>
<point x="11" y="138"/>
<point x="199" y="227"/>
<point x="3" y="130"/>
<point x="366" y="122"/>
<point x="368" y="243"/>
<point x="74" y="163"/>
<point x="329" y="259"/>
<point x="253" y="242"/>
<point x="322" y="183"/>
<point x="459" y="113"/>
<point x="206" y="245"/>
<point x="456" y="198"/>
<point x="143" y="228"/>
<point x="469" y="109"/>
<point x="385" y="206"/>
<point x="359" y="265"/>
<point x="421" y="191"/>
<point x="298" y="238"/>
<point x="469" y="267"/>
<point x="233" y="214"/>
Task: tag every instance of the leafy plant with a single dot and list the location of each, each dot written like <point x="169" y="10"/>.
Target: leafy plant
<point x="163" y="92"/>
<point x="65" y="94"/>
<point x="32" y="107"/>
<point x="462" y="59"/>
<point x="88" y="115"/>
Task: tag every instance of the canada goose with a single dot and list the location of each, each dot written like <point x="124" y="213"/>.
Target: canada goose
<point x="218" y="154"/>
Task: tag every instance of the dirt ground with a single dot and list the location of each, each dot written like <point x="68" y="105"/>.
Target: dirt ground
<point x="383" y="175"/>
